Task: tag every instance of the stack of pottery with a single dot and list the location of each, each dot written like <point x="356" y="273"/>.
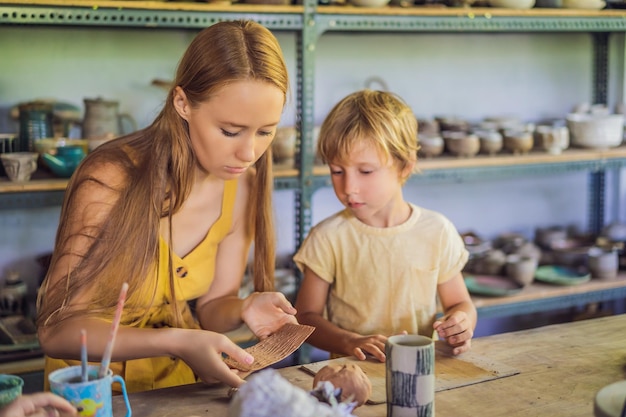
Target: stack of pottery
<point x="429" y="138"/>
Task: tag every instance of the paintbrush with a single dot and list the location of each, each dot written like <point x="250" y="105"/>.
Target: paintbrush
<point x="106" y="358"/>
<point x="83" y="355"/>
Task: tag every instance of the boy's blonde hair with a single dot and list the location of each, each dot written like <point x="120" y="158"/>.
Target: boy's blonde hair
<point x="377" y="117"/>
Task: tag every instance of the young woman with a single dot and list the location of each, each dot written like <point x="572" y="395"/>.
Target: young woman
<point x="380" y="266"/>
<point x="172" y="210"/>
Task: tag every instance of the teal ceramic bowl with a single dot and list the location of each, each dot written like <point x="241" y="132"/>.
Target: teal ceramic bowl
<point x="10" y="388"/>
<point x="65" y="161"/>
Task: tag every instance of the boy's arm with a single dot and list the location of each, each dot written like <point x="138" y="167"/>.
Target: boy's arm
<point x="457" y="325"/>
<point x="310" y="305"/>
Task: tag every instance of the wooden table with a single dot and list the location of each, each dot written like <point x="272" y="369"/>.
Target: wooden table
<point x="561" y="367"/>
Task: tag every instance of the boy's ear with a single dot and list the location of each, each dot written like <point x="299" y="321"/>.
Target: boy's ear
<point x="181" y="104"/>
<point x="408" y="169"/>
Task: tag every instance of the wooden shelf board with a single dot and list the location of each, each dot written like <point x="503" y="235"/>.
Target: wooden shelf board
<point x="541" y="291"/>
<point x="481" y="161"/>
<point x="216" y="6"/>
<point x="470" y="12"/>
<point x="44" y="182"/>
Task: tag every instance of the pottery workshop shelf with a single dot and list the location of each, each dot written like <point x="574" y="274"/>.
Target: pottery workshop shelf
<point x="539" y="297"/>
<point x="150" y="14"/>
<point x="45" y="191"/>
<point x="449" y="168"/>
<point x="49" y="191"/>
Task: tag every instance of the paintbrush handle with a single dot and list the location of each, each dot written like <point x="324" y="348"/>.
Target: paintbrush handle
<point x="108" y="351"/>
<point x="83" y="355"/>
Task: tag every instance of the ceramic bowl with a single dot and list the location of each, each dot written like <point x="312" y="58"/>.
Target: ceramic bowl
<point x="284" y="146"/>
<point x="427" y="127"/>
<point x="491" y="141"/>
<point x="518" y="142"/>
<point x="512" y="4"/>
<point x="595" y="131"/>
<point x="369" y="3"/>
<point x="10" y="388"/>
<point x="50" y="145"/>
<point x="461" y="144"/>
<point x="583" y="4"/>
<point x="19" y="166"/>
<point x="571" y="252"/>
<point x="430" y="146"/>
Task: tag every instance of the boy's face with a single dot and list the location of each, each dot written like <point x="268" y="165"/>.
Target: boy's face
<point x="368" y="185"/>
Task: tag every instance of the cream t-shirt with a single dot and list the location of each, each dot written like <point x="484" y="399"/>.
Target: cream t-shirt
<point x="383" y="280"/>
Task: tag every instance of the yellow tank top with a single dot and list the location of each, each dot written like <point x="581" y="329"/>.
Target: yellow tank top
<point x="193" y="275"/>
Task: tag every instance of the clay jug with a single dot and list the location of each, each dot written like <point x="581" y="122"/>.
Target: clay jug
<point x="103" y="121"/>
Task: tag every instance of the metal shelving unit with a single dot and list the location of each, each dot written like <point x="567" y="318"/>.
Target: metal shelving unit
<point x="309" y="22"/>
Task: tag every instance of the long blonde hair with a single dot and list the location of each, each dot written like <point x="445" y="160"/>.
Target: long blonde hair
<point x="158" y="164"/>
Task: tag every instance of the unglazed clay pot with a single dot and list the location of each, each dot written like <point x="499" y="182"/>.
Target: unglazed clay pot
<point x="491" y="141"/>
<point x="430" y="146"/>
<point x="521" y="269"/>
<point x="518" y="142"/>
<point x="461" y="144"/>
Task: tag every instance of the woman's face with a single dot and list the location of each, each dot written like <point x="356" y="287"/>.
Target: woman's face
<point x="232" y="130"/>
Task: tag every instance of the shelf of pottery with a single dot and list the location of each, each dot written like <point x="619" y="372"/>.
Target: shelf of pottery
<point x="309" y="22"/>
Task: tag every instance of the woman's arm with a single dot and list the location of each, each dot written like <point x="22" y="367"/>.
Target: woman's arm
<point x="199" y="349"/>
<point x="310" y="305"/>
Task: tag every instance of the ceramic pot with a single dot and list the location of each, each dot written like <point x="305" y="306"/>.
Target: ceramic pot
<point x="461" y="144"/>
<point x="521" y="269"/>
<point x="603" y="264"/>
<point x="552" y="139"/>
<point x="284" y="146"/>
<point x="430" y="146"/>
<point x="490" y="141"/>
<point x="518" y="142"/>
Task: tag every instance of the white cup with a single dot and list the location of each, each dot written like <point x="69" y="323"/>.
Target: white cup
<point x="410" y="376"/>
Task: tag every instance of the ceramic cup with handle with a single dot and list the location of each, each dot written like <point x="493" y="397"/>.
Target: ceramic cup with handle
<point x="410" y="376"/>
<point x="19" y="166"/>
<point x="91" y="398"/>
<point x="10" y="388"/>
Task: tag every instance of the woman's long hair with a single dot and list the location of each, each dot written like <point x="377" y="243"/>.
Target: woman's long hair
<point x="157" y="165"/>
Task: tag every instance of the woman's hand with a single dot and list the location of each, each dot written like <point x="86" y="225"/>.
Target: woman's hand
<point x="202" y="351"/>
<point x="456" y="330"/>
<point x="41" y="404"/>
<point x="266" y="312"/>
